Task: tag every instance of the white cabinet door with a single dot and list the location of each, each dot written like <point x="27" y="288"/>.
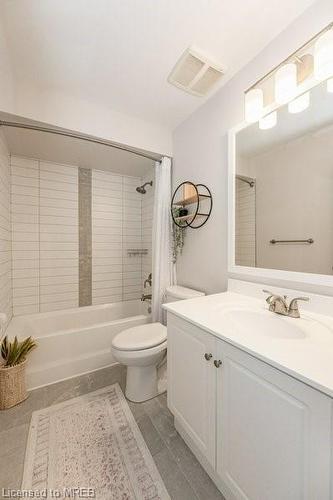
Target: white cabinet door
<point x="192" y="383"/>
<point x="273" y="432"/>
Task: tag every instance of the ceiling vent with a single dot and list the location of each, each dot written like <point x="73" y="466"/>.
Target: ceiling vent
<point x="195" y="73"/>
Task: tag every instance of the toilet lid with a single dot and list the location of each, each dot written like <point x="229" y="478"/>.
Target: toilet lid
<point x="140" y="337"/>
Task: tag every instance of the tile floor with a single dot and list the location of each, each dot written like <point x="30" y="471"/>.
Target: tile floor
<point x="182" y="474"/>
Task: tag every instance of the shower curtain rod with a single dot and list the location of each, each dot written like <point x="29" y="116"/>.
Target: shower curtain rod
<point x="83" y="137"/>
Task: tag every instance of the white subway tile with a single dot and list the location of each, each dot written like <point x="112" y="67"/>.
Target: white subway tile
<point x="24" y="190"/>
<point x="24" y="162"/>
<point x="30" y="309"/>
<point x="25" y="254"/>
<point x="25" y="181"/>
<point x="25" y="301"/>
<point x="59" y="288"/>
<point x="59" y="263"/>
<point x="58" y="306"/>
<point x="58" y="271"/>
<point x="25" y="273"/>
<point x="25" y="172"/>
<point x="59" y="168"/>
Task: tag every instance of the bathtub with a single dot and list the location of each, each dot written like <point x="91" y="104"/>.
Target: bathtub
<point x="72" y="342"/>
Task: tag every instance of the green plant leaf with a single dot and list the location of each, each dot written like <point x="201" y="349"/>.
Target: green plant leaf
<point x="15" y="352"/>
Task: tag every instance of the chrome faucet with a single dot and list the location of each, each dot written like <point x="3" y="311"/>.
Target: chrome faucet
<point x="148" y="280"/>
<point x="279" y="305"/>
<point x="146" y="296"/>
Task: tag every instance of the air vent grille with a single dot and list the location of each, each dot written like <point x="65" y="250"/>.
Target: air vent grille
<point x="195" y="73"/>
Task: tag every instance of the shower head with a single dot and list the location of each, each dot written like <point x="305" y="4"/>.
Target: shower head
<point x="141" y="189"/>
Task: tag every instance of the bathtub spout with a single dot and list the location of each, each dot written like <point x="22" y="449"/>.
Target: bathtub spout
<point x="145" y="296"/>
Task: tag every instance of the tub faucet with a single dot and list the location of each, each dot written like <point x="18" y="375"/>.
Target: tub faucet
<point x="145" y="296"/>
<point x="279" y="305"/>
<point x="148" y="280"/>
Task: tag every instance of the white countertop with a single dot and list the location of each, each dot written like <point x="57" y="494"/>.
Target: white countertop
<point x="306" y="355"/>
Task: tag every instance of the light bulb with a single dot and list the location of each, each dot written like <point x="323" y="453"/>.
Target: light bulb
<point x="323" y="56"/>
<point x="286" y="83"/>
<point x="254" y="105"/>
<point x="300" y="103"/>
<point x="268" y="121"/>
<point x="330" y="85"/>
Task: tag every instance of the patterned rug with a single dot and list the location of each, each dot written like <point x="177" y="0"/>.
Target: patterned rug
<point x="90" y="447"/>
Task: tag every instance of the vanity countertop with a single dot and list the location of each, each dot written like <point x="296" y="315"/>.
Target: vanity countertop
<point x="302" y="348"/>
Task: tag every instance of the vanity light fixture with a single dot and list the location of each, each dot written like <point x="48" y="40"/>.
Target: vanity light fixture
<point x="268" y="121"/>
<point x="293" y="77"/>
<point x="254" y="105"/>
<point x="300" y="103"/>
<point x="323" y="56"/>
<point x="286" y="83"/>
<point x="330" y="85"/>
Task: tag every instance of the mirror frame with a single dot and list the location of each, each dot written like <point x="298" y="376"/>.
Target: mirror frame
<point x="258" y="273"/>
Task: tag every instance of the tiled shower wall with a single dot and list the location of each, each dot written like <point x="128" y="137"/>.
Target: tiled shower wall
<point x="116" y="228"/>
<point x="45" y="236"/>
<point x="46" y="221"/>
<point x="245" y="250"/>
<point x="5" y="233"/>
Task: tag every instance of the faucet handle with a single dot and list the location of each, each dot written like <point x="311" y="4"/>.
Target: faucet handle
<point x="293" y="310"/>
<point x="293" y="302"/>
<point x="270" y="296"/>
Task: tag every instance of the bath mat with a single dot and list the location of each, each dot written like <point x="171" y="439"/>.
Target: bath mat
<point x="90" y="447"/>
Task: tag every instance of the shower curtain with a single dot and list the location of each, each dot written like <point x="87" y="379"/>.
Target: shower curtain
<point x="164" y="273"/>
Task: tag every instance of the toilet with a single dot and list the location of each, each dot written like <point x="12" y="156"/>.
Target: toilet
<point x="143" y="348"/>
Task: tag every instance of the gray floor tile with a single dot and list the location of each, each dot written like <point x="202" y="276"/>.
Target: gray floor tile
<point x="162" y="420"/>
<point x="192" y="470"/>
<point x="150" y="435"/>
<point x="14" y="439"/>
<point x="137" y="409"/>
<point x="183" y="475"/>
<point x="21" y="413"/>
<point x="177" y="485"/>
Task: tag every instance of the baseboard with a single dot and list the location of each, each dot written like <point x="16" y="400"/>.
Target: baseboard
<point x="75" y="375"/>
<point x="204" y="462"/>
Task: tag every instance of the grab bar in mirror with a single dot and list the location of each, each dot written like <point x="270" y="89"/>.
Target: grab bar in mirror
<point x="309" y="241"/>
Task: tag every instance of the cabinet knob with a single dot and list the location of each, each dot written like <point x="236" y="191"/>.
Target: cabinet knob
<point x="208" y="356"/>
<point x="217" y="363"/>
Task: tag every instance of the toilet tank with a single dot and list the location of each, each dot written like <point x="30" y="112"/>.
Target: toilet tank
<point x="177" y="292"/>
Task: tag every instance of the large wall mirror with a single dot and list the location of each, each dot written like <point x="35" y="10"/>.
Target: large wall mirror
<point x="281" y="191"/>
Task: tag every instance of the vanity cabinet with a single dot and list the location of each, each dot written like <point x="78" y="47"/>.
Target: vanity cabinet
<point x="260" y="434"/>
<point x="192" y="395"/>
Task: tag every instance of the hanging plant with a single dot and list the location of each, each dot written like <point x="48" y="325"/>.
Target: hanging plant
<point x="178" y="234"/>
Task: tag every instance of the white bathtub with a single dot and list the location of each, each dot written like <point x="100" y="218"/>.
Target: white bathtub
<point x="74" y="341"/>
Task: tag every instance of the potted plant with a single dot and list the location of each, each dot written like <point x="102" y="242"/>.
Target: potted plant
<point x="12" y="371"/>
<point x="178" y="235"/>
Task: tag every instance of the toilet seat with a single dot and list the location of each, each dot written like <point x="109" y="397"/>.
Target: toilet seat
<point x="141" y="337"/>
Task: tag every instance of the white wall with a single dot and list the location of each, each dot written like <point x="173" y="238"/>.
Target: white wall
<point x="83" y="116"/>
<point x="5" y="232"/>
<point x="200" y="151"/>
<point x="6" y="76"/>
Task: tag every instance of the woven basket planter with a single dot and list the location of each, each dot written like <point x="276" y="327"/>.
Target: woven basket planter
<point x="12" y="385"/>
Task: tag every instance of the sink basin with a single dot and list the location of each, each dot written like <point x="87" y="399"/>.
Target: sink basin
<point x="264" y="323"/>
